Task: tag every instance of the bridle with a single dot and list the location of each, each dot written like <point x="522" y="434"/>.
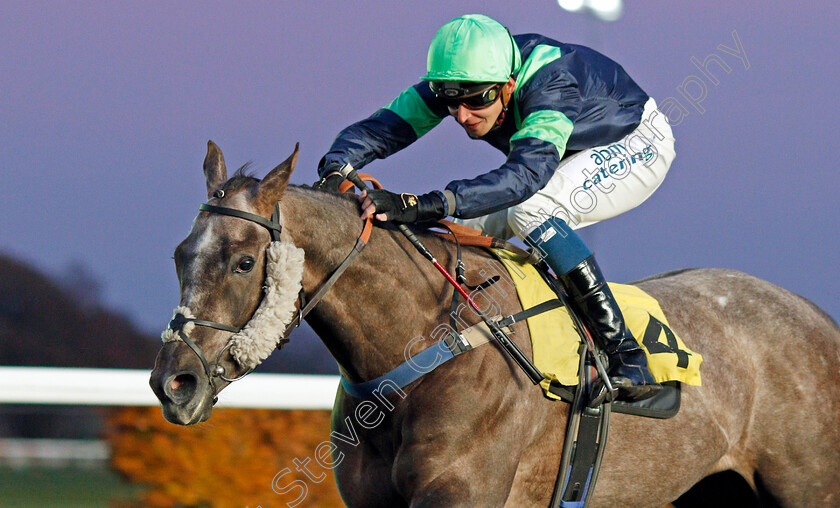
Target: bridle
<point x="216" y="369"/>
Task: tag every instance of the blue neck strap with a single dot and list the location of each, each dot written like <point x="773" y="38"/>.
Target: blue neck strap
<point x="405" y="373"/>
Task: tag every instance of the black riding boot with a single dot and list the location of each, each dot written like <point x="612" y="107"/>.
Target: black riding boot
<point x="592" y="298"/>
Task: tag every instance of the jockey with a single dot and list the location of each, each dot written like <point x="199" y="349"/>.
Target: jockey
<point x="583" y="142"/>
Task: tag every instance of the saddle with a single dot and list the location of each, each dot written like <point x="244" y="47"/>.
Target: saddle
<point x="570" y="368"/>
<point x="588" y="422"/>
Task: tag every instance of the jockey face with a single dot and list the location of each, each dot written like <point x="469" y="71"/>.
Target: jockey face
<point x="479" y="121"/>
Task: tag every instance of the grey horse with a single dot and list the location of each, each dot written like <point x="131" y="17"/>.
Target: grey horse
<point x="475" y="432"/>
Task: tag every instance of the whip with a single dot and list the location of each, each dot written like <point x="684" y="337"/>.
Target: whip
<point x="501" y="337"/>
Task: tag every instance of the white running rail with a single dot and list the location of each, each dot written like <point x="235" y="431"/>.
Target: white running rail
<point x="117" y="387"/>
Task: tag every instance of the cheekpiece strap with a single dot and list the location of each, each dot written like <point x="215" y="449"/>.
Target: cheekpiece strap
<point x="275" y="219"/>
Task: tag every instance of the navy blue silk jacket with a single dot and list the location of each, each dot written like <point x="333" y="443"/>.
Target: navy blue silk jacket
<point x="567" y="98"/>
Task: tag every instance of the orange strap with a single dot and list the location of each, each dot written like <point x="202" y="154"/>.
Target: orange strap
<point x="346" y="186"/>
<point x="462" y="231"/>
<point x="365" y="236"/>
<point x="466" y="235"/>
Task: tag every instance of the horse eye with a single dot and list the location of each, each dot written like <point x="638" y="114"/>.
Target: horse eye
<point x="245" y="265"/>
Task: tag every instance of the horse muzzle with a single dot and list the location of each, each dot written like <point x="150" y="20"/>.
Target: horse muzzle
<point x="182" y="387"/>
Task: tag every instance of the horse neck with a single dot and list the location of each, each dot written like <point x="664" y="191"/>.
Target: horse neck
<point x="387" y="296"/>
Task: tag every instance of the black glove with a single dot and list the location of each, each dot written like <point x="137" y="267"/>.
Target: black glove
<point x="406" y="208"/>
<point x="329" y="183"/>
<point x="330" y="176"/>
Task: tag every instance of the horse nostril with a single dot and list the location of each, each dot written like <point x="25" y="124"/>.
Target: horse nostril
<point x="181" y="388"/>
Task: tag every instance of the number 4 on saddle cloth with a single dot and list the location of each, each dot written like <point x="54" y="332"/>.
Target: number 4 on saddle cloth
<point x="557" y="345"/>
<point x="563" y="360"/>
<point x="561" y="357"/>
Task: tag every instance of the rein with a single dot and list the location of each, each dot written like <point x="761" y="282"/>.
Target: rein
<point x="180" y="320"/>
<point x="325" y="286"/>
<point x="457" y="233"/>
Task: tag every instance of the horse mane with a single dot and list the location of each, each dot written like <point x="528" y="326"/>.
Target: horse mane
<point x="242" y="178"/>
<point x="348" y="202"/>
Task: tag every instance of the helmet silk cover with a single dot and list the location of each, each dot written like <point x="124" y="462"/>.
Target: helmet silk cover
<point x="472" y="48"/>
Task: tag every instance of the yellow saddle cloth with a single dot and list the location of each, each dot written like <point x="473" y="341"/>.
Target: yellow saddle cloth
<point x="556" y="342"/>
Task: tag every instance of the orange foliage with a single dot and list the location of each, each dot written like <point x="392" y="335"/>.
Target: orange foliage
<point x="229" y="461"/>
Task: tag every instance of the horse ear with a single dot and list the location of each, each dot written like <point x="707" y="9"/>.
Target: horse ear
<point x="275" y="182"/>
<point x="215" y="172"/>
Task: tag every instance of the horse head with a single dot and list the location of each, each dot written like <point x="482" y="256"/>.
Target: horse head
<point x="231" y="312"/>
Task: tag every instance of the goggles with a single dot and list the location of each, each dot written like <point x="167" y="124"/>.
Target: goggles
<point x="471" y="95"/>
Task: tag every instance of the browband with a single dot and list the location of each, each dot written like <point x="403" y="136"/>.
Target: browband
<point x="272" y="225"/>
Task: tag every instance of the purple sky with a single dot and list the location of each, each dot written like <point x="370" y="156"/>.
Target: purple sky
<point x="106" y="108"/>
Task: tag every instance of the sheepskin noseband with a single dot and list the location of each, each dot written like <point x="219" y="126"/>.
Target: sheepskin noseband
<point x="261" y="335"/>
<point x="169" y="334"/>
<point x="283" y="276"/>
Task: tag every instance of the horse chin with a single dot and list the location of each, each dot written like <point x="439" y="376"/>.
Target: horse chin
<point x="188" y="414"/>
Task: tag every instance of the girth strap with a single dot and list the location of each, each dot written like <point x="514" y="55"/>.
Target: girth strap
<point x="436" y="355"/>
<point x="587" y="430"/>
<point x="405" y="373"/>
<point x="533" y="311"/>
<point x="447" y="348"/>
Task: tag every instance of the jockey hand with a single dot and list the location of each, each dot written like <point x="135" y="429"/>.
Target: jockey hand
<point x="329" y="183"/>
<point x="331" y="180"/>
<point x="401" y="208"/>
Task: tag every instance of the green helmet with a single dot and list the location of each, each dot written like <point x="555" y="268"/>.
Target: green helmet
<point x="472" y="49"/>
